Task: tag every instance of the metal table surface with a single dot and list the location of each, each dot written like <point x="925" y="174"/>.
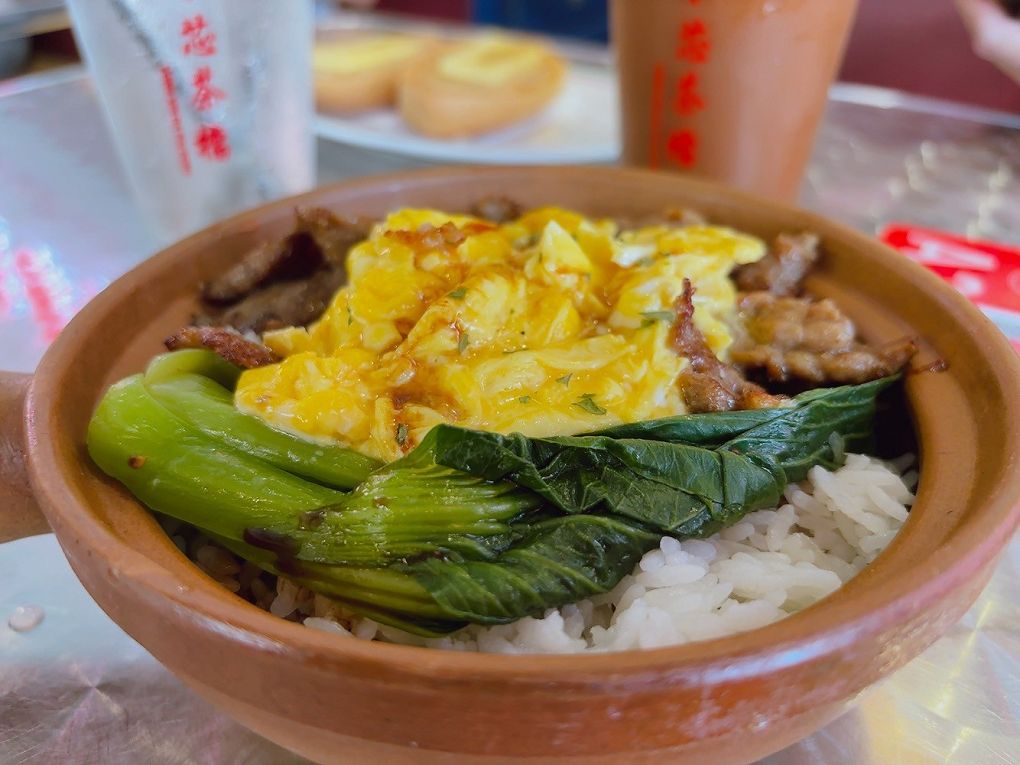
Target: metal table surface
<point x="78" y="690"/>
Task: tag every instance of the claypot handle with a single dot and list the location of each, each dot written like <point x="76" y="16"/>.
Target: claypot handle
<point x="19" y="514"/>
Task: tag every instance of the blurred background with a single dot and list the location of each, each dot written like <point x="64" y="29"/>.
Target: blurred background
<point x="917" y="46"/>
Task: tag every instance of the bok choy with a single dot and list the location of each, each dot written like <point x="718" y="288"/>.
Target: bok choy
<point x="470" y="527"/>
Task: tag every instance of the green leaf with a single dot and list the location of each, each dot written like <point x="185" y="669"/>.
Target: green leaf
<point x="457" y="294"/>
<point x="654" y="316"/>
<point x="197" y="361"/>
<point x="562" y="560"/>
<point x="794" y="438"/>
<point x="385" y="595"/>
<point x="725" y="467"/>
<point x="524" y="399"/>
<point x="565" y="380"/>
<point x="405" y="513"/>
<point x="209" y="408"/>
<point x="587" y="403"/>
<point x="462" y="342"/>
<point x="188" y="475"/>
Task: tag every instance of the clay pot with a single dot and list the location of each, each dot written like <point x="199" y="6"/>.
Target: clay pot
<point x="722" y="701"/>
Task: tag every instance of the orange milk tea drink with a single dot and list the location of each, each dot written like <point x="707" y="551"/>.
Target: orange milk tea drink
<point x="731" y="90"/>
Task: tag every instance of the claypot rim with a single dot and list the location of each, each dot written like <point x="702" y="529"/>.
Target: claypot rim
<point x="792" y="640"/>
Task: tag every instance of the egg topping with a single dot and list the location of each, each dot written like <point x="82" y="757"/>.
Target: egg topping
<point x="552" y="324"/>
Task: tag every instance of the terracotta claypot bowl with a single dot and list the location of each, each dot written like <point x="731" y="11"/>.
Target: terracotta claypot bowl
<point x="723" y="701"/>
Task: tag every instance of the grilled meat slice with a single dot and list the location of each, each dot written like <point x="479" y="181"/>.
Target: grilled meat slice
<point x="320" y="238"/>
<point x="783" y="268"/>
<point x="708" y="384"/>
<point x="284" y="304"/>
<point x="294" y="257"/>
<point x="802" y="340"/>
<point x="229" y="344"/>
<point x="333" y="234"/>
<point x="496" y="209"/>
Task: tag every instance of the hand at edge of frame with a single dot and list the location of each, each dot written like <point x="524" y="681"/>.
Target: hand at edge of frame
<point x="994" y="35"/>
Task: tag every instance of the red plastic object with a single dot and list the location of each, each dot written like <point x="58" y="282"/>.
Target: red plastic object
<point x="986" y="272"/>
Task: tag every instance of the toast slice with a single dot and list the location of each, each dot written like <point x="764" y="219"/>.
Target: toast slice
<point x="355" y="74"/>
<point x="475" y="86"/>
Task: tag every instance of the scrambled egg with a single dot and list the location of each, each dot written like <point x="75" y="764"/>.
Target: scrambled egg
<point x="548" y="325"/>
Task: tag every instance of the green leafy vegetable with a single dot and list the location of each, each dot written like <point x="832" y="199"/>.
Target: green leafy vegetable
<point x="651" y="317"/>
<point x="587" y="403"/>
<point x="470" y="526"/>
<point x="561" y="560"/>
<point x="208" y="407"/>
<point x="197" y="361"/>
<point x="689" y="476"/>
<point x="188" y="475"/>
<point x="462" y="342"/>
<point x="795" y="437"/>
<point x="458" y="294"/>
<point x="403" y="513"/>
<point x="565" y="380"/>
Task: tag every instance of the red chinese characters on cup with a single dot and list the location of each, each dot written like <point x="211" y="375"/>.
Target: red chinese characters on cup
<point x="205" y="94"/>
<point x="211" y="142"/>
<point x="211" y="139"/>
<point x="683" y="146"/>
<point x="693" y="48"/>
<point x="987" y="273"/>
<point x="199" y="40"/>
<point x="687" y="100"/>
<point x="693" y="44"/>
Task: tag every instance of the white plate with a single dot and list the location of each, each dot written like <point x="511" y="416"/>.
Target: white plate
<point x="581" y="125"/>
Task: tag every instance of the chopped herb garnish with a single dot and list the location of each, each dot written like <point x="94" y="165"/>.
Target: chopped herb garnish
<point x="669" y="316"/>
<point x="462" y="343"/>
<point x="401" y="434"/>
<point x="350" y="316"/>
<point x="565" y="380"/>
<point x="650" y="317"/>
<point x="587" y="403"/>
<point x="647" y="261"/>
<point x="524" y="399"/>
<point x="458" y="294"/>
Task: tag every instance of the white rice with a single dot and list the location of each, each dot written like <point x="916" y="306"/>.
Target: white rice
<point x="763" y="568"/>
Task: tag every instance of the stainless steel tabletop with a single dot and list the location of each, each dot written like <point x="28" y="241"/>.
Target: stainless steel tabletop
<point x="78" y="690"/>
